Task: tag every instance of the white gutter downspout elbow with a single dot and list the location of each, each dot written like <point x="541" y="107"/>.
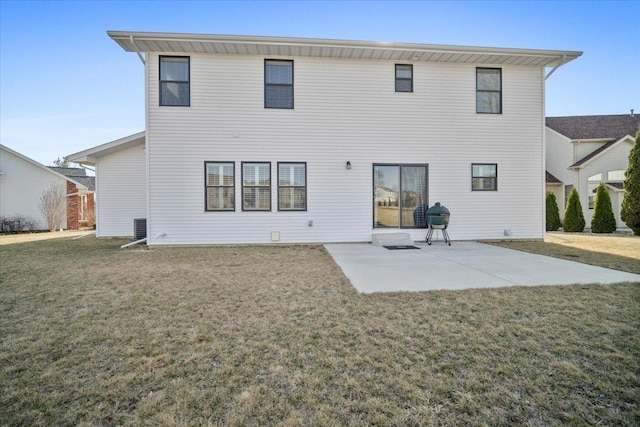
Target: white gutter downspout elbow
<point x="133" y="43"/>
<point x="558" y="65"/>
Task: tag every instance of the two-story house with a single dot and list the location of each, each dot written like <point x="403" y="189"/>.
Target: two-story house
<point x="583" y="151"/>
<point x="276" y="139"/>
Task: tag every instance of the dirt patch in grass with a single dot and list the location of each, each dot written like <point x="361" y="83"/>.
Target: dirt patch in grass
<point x="95" y="335"/>
<point x="619" y="252"/>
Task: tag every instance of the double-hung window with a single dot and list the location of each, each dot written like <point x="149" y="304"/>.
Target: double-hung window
<point x="256" y="186"/>
<point x="292" y="186"/>
<point x="404" y="78"/>
<point x="220" y="192"/>
<point x="174" y="81"/>
<point x="484" y="177"/>
<point x="278" y="83"/>
<point x="489" y="90"/>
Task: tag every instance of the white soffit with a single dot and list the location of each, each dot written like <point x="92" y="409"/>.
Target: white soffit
<point x="327" y="48"/>
<point x="90" y="155"/>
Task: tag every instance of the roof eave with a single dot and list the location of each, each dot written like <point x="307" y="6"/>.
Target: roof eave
<point x="290" y="46"/>
<point x="41" y="166"/>
<point x="90" y="156"/>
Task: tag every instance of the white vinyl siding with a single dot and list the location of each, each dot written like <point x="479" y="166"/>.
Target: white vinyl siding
<point x="345" y="110"/>
<point x="21" y="186"/>
<point x="120" y="191"/>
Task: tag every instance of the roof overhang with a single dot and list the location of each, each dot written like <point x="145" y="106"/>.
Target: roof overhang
<point x="600" y="151"/>
<point x="329" y="48"/>
<point x="614" y="188"/>
<point x="91" y="155"/>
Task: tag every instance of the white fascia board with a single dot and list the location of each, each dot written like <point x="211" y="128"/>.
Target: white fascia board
<point x="600" y="154"/>
<point x="187" y="42"/>
<point x="91" y="155"/>
<point x="41" y="166"/>
<point x="559" y="134"/>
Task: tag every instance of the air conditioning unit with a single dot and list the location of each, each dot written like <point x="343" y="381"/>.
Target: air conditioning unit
<point x="139" y="228"/>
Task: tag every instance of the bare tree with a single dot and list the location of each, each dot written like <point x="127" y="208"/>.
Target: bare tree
<point x="53" y="205"/>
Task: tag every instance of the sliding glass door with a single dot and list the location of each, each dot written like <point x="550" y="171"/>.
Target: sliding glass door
<point x="399" y="195"/>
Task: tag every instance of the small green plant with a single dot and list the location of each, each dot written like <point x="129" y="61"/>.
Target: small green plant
<point x="553" y="213"/>
<point x="573" y="216"/>
<point x="603" y="220"/>
<point x="630" y="212"/>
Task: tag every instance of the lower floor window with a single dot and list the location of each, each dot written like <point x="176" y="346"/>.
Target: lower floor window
<point x="292" y="186"/>
<point x="399" y="196"/>
<point x="256" y="186"/>
<point x="484" y="177"/>
<point x="220" y="192"/>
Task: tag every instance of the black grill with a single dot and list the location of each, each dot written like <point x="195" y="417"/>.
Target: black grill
<point x="438" y="219"/>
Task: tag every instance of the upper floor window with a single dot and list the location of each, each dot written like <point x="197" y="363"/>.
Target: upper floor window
<point x="404" y="78"/>
<point x="256" y="186"/>
<point x="174" y="81"/>
<point x="489" y="90"/>
<point x="292" y="186"/>
<point x="484" y="177"/>
<point x="278" y="83"/>
<point x="219" y="186"/>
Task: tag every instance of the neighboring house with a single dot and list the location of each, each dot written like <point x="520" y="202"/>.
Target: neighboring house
<point x="22" y="183"/>
<point x="80" y="203"/>
<point x="582" y="151"/>
<point x="121" y="184"/>
<point x="266" y="139"/>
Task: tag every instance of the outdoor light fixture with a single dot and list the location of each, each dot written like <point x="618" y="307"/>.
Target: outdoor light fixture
<point x="348" y="165"/>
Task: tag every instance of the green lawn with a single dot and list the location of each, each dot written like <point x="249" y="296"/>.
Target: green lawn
<point x="276" y="335"/>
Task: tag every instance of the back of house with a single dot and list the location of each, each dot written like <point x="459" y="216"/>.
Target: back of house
<point x="270" y="139"/>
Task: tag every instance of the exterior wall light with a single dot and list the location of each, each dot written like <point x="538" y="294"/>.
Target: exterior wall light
<point x="348" y="165"/>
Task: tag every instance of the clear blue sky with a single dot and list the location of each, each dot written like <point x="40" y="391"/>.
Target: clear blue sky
<point x="66" y="86"/>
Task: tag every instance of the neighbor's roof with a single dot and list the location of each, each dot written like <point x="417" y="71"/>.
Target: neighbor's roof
<point x="41" y="166"/>
<point x="69" y="171"/>
<point x="550" y="179"/>
<point x="611" y="127"/>
<point x="329" y="48"/>
<point x="91" y="155"/>
<point x="77" y="174"/>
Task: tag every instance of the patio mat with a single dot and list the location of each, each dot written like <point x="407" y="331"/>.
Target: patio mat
<point x="395" y="248"/>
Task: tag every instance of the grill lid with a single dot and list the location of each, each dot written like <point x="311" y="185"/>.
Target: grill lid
<point x="438" y="210"/>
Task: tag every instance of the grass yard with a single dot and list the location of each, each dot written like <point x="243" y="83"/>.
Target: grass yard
<point x="275" y="335"/>
<point x="619" y="252"/>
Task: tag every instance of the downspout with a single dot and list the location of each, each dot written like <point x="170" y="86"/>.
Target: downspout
<point x="555" y="67"/>
<point x="126" y="245"/>
<point x="133" y="43"/>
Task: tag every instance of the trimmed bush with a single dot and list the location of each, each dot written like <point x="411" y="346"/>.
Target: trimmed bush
<point x="603" y="220"/>
<point x="630" y="212"/>
<point x="573" y="216"/>
<point x="553" y="213"/>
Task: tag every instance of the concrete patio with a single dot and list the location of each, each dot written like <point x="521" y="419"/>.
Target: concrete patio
<point x="464" y="265"/>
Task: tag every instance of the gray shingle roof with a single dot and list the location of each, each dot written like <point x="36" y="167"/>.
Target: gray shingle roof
<point x="70" y="172"/>
<point x="88" y="181"/>
<point x="595" y="127"/>
<point x="78" y="175"/>
<point x="550" y="179"/>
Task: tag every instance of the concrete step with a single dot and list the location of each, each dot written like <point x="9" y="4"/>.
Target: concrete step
<point x="391" y="239"/>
